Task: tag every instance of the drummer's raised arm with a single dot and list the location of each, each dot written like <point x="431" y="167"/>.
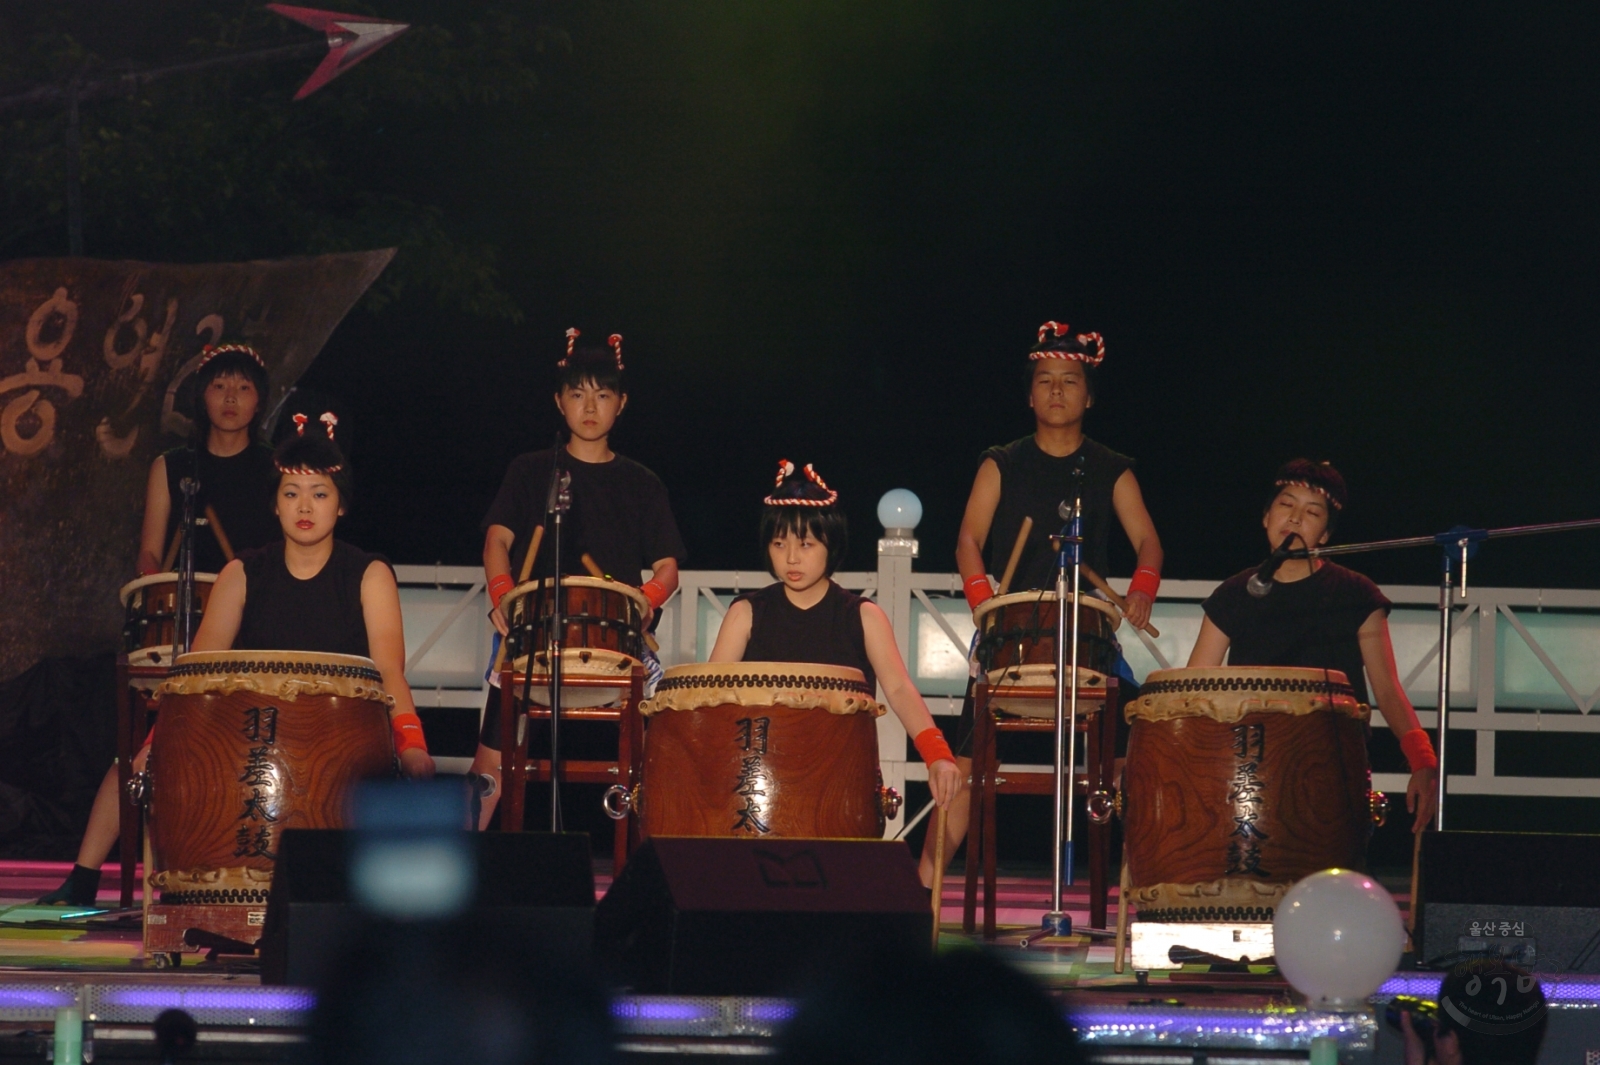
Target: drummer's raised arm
<point x="904" y="699"/>
<point x="157" y="509"/>
<point x="1210" y="648"/>
<point x="734" y="635"/>
<point x="224" y="611"/>
<point x="386" y="644"/>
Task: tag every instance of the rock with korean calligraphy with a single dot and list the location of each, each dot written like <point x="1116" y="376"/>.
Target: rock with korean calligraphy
<point x="93" y="359"/>
<point x="1239" y="782"/>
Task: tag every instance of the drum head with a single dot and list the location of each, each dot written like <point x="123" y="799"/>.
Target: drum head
<point x="1000" y="602"/>
<point x="530" y="587"/>
<point x="159" y="578"/>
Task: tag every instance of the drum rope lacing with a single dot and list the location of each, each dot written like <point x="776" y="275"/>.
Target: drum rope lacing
<point x="316" y="669"/>
<point x="764" y="680"/>
<point x="1246" y="684"/>
<point x="215" y="897"/>
<point x="1210" y="913"/>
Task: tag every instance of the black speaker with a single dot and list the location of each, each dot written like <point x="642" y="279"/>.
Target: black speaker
<point x="756" y="917"/>
<point x="1529" y="896"/>
<point x="536" y="885"/>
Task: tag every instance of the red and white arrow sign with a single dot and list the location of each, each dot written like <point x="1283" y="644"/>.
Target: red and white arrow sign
<point x="351" y="38"/>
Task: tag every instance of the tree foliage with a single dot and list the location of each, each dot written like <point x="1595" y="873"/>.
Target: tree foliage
<point x="224" y="165"/>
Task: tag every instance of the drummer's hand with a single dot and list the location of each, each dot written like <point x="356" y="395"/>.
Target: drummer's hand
<point x="1422" y="797"/>
<point x="1138" y="610"/>
<point x="649" y="613"/>
<point x="944" y="780"/>
<point x="416" y="763"/>
<point x="498" y="616"/>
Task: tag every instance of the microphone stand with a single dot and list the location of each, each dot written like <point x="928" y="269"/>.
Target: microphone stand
<point x="1069" y="557"/>
<point x="560" y="502"/>
<point x="186" y="597"/>
<point x="1458" y="542"/>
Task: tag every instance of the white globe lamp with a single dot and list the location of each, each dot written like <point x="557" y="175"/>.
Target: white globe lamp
<point x="899" y="511"/>
<point x="1337" y="937"/>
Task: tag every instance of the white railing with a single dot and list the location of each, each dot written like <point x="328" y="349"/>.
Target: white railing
<point x="1523" y="660"/>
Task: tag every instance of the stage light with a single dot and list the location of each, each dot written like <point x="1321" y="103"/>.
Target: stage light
<point x="1338" y="936"/>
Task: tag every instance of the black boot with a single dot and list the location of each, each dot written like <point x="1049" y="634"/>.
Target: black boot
<point x="78" y="889"/>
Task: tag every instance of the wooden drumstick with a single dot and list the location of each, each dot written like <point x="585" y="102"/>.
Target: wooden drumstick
<point x="1111" y="594"/>
<point x="1118" y="962"/>
<point x="938" y="867"/>
<point x="527" y="570"/>
<point x="593" y="567"/>
<point x="1016" y="556"/>
<point x="216" y="530"/>
<point x="1416" y="871"/>
<point x="170" y="559"/>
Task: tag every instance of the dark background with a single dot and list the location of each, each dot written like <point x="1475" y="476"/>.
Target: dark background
<point x="828" y="231"/>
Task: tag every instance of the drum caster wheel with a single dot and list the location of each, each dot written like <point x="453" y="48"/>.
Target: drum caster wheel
<point x="167" y="960"/>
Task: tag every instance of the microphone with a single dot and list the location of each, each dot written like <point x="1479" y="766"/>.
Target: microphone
<point x="1260" y="582"/>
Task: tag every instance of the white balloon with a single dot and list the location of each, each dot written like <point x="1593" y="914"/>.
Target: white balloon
<point x="1337" y="937"/>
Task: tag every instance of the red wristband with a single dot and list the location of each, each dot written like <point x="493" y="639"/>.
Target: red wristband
<point x="498" y="587"/>
<point x="1145" y="580"/>
<point x="931" y="745"/>
<point x="407" y="729"/>
<point x="654" y="592"/>
<point x="1418" y="749"/>
<point x="977" y="591"/>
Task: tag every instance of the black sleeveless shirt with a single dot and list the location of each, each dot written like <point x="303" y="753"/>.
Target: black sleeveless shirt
<point x="829" y="633"/>
<point x="240" y="489"/>
<point x="1033" y="484"/>
<point x="284" y="613"/>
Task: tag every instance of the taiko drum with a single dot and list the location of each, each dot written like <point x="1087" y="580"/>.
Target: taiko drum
<point x="754" y="749"/>
<point x="150" y="616"/>
<point x="602" y="636"/>
<point x="1239" y="782"/>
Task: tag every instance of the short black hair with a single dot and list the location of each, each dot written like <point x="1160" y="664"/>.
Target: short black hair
<point x="1496" y="1009"/>
<point x="827" y="524"/>
<point x="227" y="364"/>
<point x="314" y="451"/>
<point x="1320" y="477"/>
<point x="1090" y="373"/>
<point x="591" y="364"/>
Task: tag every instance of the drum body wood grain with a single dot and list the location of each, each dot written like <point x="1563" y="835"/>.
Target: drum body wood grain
<point x="150" y="616"/>
<point x="602" y="636"/>
<point x="756" y="749"/>
<point x="250" y="744"/>
<point x="1240" y="781"/>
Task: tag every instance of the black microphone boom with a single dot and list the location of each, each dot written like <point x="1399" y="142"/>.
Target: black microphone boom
<point x="1260" y="582"/>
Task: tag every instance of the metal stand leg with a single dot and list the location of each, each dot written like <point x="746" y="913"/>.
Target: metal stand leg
<point x="978" y="797"/>
<point x="513" y="756"/>
<point x="129" y="706"/>
<point x="628" y="736"/>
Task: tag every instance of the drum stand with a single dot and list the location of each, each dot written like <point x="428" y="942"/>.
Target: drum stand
<point x="1460" y="542"/>
<point x="1058" y="922"/>
<point x="557" y="503"/>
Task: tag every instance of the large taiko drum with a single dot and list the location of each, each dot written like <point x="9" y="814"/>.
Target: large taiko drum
<point x="250" y="744"/>
<point x="1240" y="781"/>
<point x="602" y="636"/>
<point x="753" y="749"/>
<point x="1018" y="646"/>
<point x="150" y="616"/>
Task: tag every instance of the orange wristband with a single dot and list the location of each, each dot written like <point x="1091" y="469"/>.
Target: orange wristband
<point x="977" y="591"/>
<point x="1145" y="580"/>
<point x="931" y="745"/>
<point x="654" y="592"/>
<point x="407" y="729"/>
<point x="1418" y="749"/>
<point x="498" y="587"/>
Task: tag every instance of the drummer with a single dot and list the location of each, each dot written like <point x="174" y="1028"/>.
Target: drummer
<point x="1030" y="478"/>
<point x="235" y="474"/>
<point x="620" y="517"/>
<point x="311" y="592"/>
<point x="1320" y="615"/>
<point x="807" y="617"/>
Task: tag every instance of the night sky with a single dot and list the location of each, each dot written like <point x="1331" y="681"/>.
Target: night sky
<point x="829" y="230"/>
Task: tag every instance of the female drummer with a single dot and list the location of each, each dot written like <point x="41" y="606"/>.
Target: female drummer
<point x="314" y="593"/>
<point x="235" y="476"/>
<point x="1030" y="478"/>
<point x="1318" y="614"/>
<point x="806" y="617"/>
<point x="620" y="515"/>
<point x="233" y="469"/>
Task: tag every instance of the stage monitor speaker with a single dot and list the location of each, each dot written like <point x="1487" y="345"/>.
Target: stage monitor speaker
<point x="537" y="885"/>
<point x="1529" y="896"/>
<point x="756" y="917"/>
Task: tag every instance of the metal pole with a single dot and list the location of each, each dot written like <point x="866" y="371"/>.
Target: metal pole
<point x="563" y="500"/>
<point x="1446" y="611"/>
<point x="1072" y="717"/>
